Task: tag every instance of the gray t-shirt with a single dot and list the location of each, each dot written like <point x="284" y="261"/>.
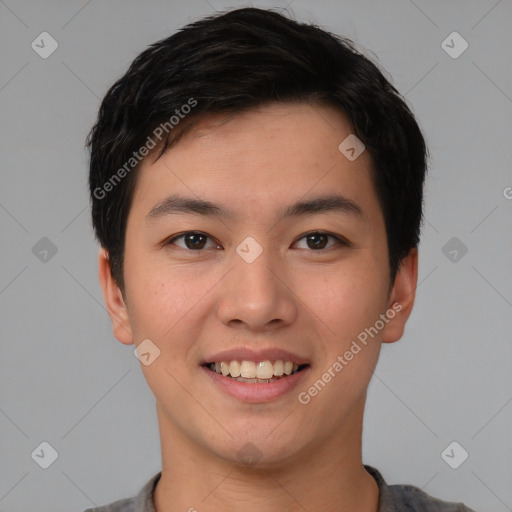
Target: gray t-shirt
<point x="393" y="498"/>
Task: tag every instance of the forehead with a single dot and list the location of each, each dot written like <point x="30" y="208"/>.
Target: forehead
<point x="258" y="158"/>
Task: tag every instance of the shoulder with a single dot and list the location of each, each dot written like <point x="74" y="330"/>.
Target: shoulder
<point x="412" y="498"/>
<point x="143" y="502"/>
<point x="408" y="498"/>
<point x="126" y="505"/>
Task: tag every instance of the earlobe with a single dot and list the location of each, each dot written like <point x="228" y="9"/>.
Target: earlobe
<point x="114" y="300"/>
<point x="401" y="298"/>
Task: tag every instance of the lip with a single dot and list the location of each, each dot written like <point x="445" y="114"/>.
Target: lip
<point x="256" y="393"/>
<point x="246" y="354"/>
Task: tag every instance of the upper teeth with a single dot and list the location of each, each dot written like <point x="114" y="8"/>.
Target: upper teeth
<point x="255" y="370"/>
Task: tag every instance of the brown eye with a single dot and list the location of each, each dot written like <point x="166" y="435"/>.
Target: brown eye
<point x="195" y="241"/>
<point x="192" y="240"/>
<point x="318" y="240"/>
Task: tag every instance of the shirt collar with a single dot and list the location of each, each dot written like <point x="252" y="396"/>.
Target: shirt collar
<point x="144" y="501"/>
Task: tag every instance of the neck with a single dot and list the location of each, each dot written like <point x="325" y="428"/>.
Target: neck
<point x="326" y="476"/>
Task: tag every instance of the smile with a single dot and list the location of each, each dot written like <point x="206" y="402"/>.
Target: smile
<point x="256" y="372"/>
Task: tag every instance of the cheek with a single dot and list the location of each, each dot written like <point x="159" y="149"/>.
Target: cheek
<point x="162" y="298"/>
<point x="150" y="301"/>
<point x="346" y="304"/>
<point x="347" y="299"/>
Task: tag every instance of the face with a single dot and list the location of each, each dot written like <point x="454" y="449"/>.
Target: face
<point x="256" y="239"/>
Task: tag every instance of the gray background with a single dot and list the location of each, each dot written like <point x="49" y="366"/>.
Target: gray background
<point x="64" y="379"/>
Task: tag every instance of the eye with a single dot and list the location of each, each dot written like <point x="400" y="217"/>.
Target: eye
<point x="193" y="240"/>
<point x="196" y="241"/>
<point x="317" y="240"/>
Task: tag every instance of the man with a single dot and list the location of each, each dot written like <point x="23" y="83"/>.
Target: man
<point x="256" y="188"/>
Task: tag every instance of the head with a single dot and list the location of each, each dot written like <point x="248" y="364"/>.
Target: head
<point x="231" y="128"/>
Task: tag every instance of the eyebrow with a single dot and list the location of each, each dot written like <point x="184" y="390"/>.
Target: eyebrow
<point x="184" y="205"/>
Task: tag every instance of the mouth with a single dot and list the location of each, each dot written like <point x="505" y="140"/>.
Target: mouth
<point x="256" y="372"/>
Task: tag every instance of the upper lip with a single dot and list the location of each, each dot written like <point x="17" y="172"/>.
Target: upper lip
<point x="246" y="354"/>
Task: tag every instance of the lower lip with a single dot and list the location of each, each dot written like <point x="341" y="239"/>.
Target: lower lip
<point x="256" y="392"/>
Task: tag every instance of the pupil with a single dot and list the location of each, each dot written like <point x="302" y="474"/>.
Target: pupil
<point x="314" y="240"/>
<point x="191" y="244"/>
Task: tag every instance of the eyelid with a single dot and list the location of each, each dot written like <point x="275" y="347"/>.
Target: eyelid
<point x="340" y="240"/>
<point x="173" y="238"/>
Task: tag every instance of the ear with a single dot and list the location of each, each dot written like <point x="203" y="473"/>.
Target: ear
<point x="401" y="298"/>
<point x="114" y="300"/>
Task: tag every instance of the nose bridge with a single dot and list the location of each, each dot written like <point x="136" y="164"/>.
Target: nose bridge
<point x="254" y="293"/>
<point x="257" y="276"/>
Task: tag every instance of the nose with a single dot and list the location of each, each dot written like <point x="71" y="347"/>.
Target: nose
<point x="257" y="296"/>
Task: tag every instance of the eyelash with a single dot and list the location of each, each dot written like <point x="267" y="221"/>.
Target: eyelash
<point x="339" y="240"/>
